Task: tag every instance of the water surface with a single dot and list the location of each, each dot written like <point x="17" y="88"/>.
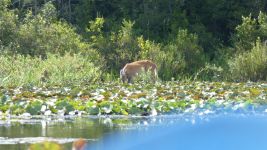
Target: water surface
<point x="209" y="131"/>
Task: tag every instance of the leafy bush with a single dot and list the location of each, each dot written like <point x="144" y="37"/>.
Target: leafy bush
<point x="251" y="65"/>
<point x="248" y="32"/>
<point x="117" y="48"/>
<point x="55" y="70"/>
<point x="183" y="56"/>
<point x="210" y="72"/>
<point x="152" y="51"/>
<point x="41" y="34"/>
<point x="8" y="24"/>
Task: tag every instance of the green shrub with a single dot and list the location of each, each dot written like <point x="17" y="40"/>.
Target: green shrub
<point x="210" y="72"/>
<point x="183" y="56"/>
<point x="8" y="24"/>
<point x="41" y="34"/>
<point x="251" y="65"/>
<point x="152" y="51"/>
<point x="118" y="48"/>
<point x="21" y="70"/>
<point x="248" y="31"/>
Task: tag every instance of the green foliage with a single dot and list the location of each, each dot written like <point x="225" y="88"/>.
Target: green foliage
<point x="183" y="56"/>
<point x="250" y="65"/>
<point x="182" y="37"/>
<point x="55" y="70"/>
<point x="64" y="105"/>
<point x="126" y="48"/>
<point x="34" y="108"/>
<point x="118" y="48"/>
<point x="153" y="51"/>
<point x="95" y="30"/>
<point x="249" y="31"/>
<point x="4" y="4"/>
<point x="46" y="146"/>
<point x="210" y="72"/>
<point x="8" y="24"/>
<point x="40" y="34"/>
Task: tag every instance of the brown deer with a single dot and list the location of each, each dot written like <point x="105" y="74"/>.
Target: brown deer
<point x="130" y="70"/>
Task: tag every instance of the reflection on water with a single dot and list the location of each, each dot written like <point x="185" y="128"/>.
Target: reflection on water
<point x="180" y="131"/>
<point x="220" y="132"/>
<point x="23" y="132"/>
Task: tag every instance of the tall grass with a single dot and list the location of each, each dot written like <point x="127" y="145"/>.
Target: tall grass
<point x="250" y="65"/>
<point x="69" y="69"/>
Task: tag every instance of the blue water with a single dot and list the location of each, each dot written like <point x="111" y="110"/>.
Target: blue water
<point x="219" y="132"/>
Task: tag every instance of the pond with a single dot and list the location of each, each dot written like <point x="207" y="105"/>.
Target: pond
<point x="171" y="115"/>
<point x="223" y="130"/>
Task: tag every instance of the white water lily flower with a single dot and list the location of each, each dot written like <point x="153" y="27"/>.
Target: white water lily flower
<point x="193" y="106"/>
<point x="246" y="92"/>
<point x="201" y="103"/>
<point x="99" y="97"/>
<point x="22" y="103"/>
<point x="145" y="106"/>
<point x="80" y="113"/>
<point x="107" y="109"/>
<point x="101" y="90"/>
<point x="153" y="112"/>
<point x="47" y="92"/>
<point x="220" y="102"/>
<point x="138" y="92"/>
<point x="128" y="93"/>
<point x="25" y="115"/>
<point x="43" y="108"/>
<point x="80" y="93"/>
<point x="67" y="89"/>
<point x="172" y="100"/>
<point x="48" y="113"/>
<point x="17" y="90"/>
<point x="188" y="97"/>
<point x="50" y="103"/>
<point x="208" y="111"/>
<point x="72" y="113"/>
<point x="124" y="100"/>
<point x="138" y="100"/>
<point x="61" y="112"/>
<point x="114" y="96"/>
<point x="263" y="96"/>
<point x="188" y="110"/>
<point x="241" y="105"/>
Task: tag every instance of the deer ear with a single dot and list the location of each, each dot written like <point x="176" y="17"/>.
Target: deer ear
<point x="122" y="72"/>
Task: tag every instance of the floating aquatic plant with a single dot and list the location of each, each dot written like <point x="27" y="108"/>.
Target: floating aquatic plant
<point x="134" y="99"/>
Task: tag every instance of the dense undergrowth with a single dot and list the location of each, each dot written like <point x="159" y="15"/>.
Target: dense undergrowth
<point x="39" y="42"/>
<point x="54" y="70"/>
